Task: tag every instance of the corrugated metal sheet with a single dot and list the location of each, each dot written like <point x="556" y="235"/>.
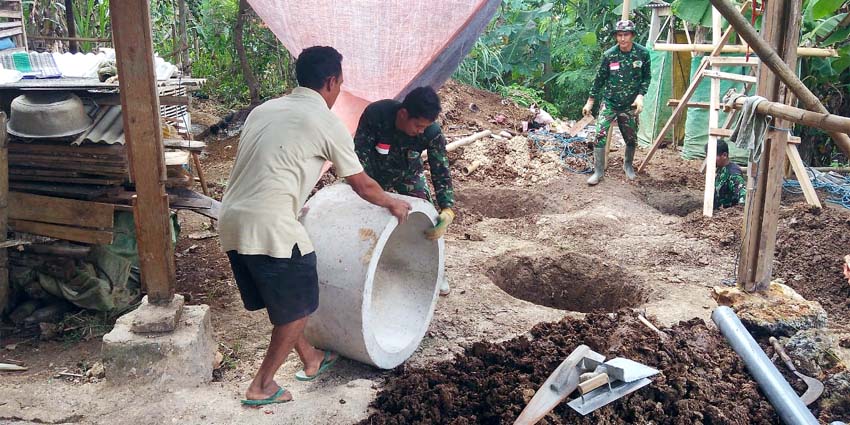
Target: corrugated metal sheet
<point x="108" y="128"/>
<point x="657" y="3"/>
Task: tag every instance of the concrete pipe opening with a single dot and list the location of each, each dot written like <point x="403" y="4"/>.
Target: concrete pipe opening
<point x="378" y="281"/>
<point x="403" y="283"/>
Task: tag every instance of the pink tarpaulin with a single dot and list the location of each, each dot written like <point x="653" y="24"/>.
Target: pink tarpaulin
<point x="388" y="46"/>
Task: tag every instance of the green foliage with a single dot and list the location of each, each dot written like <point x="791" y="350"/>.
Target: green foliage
<point x="550" y="49"/>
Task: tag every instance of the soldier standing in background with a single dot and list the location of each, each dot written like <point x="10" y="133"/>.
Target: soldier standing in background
<point x="622" y="81"/>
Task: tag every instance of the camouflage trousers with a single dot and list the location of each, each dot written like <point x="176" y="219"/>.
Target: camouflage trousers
<point x="626" y="120"/>
<point x="414" y="185"/>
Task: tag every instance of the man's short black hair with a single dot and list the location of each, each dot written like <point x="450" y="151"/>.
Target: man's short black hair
<point x="316" y="64"/>
<point x="422" y="102"/>
<point x="722" y="147"/>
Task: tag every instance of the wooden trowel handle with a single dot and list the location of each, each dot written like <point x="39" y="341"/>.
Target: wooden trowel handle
<point x="593" y="383"/>
<point x="781" y="351"/>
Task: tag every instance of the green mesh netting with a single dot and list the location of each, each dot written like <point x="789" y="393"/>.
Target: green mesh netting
<point x="655" y="110"/>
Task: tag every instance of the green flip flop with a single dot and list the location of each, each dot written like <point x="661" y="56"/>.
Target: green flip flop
<point x="327" y="362"/>
<point x="271" y="400"/>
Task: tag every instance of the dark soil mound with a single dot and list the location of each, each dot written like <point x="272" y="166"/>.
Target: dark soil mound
<point x="702" y="379"/>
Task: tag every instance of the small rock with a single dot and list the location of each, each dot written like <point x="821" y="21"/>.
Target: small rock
<point x="812" y="350"/>
<point x="218" y="359"/>
<point x="527" y="394"/>
<point x="778" y="311"/>
<point x="96" y="371"/>
<point x="341" y="401"/>
<point x="228" y="147"/>
<point x="48" y="331"/>
<point x="11" y="347"/>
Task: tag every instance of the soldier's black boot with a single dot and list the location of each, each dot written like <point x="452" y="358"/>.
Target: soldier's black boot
<point x="627" y="163"/>
<point x="599" y="166"/>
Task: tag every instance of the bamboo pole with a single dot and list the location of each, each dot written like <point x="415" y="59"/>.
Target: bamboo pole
<point x="626" y="7"/>
<point x="771" y="59"/>
<point x="826" y="122"/>
<point x="801" y="51"/>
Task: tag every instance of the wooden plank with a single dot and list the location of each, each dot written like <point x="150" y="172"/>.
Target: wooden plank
<point x="86" y="192"/>
<point x="193" y="145"/>
<point x="116" y="151"/>
<point x="802" y="176"/>
<point x="12" y="24"/>
<point x="11" y="32"/>
<point x="580" y="125"/>
<point x="730" y="76"/>
<point x="68" y="233"/>
<point x="131" y="31"/>
<point x="14" y="14"/>
<point x="733" y="61"/>
<point x="720" y="132"/>
<point x="115" y="100"/>
<point x="713" y="118"/>
<point x="84" y="168"/>
<point x="15" y="171"/>
<point x="5" y="288"/>
<point x="70" y="180"/>
<point x="81" y="160"/>
<point x="701" y="105"/>
<point x="48" y="209"/>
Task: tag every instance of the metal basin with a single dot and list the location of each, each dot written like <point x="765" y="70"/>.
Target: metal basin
<point x="48" y="115"/>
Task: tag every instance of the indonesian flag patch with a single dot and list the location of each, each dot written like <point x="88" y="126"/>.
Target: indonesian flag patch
<point x="614" y="66"/>
<point x="382" y="148"/>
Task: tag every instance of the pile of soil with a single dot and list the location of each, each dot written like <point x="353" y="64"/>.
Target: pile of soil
<point x="810" y="247"/>
<point x="702" y="380"/>
<point x="467" y="109"/>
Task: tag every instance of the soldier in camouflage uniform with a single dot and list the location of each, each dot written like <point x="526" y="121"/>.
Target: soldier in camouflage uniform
<point x="730" y="188"/>
<point x="622" y="81"/>
<point x="389" y="141"/>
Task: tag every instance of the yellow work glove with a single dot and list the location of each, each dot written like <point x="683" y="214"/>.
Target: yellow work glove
<point x="588" y="107"/>
<point x="437" y="232"/>
<point x="638" y="104"/>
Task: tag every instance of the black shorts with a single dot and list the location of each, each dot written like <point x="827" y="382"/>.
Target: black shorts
<point x="287" y="287"/>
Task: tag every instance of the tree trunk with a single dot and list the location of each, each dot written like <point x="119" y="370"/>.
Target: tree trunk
<point x="250" y="79"/>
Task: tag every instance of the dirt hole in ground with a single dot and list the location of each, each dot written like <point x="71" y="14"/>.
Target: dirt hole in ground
<point x="678" y="202"/>
<point x="568" y="281"/>
<point x="504" y="203"/>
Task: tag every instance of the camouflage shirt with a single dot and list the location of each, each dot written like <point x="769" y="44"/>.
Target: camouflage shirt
<point x="394" y="159"/>
<point x="622" y="76"/>
<point x="730" y="189"/>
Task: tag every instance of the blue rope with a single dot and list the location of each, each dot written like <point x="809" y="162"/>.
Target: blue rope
<point x="567" y="147"/>
<point x="839" y="193"/>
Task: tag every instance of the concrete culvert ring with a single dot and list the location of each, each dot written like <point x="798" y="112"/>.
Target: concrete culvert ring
<point x="402" y="289"/>
<point x="567" y="280"/>
<point x="504" y="203"/>
<point x="678" y="202"/>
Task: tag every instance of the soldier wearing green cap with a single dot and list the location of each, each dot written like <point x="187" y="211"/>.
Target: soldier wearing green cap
<point x="621" y="81"/>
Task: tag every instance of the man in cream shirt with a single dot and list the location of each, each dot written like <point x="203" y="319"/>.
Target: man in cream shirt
<point x="283" y="146"/>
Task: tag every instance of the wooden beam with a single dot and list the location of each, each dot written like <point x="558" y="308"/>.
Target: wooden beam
<point x="71" y="25"/>
<point x="802" y="51"/>
<point x="713" y="119"/>
<point x="68" y="233"/>
<point x="730" y="76"/>
<point x="775" y="63"/>
<point x="701" y="105"/>
<point x="802" y="176"/>
<point x="48" y="209"/>
<point x="733" y="61"/>
<point x="5" y="289"/>
<point x="131" y="32"/>
<point x="720" y="132"/>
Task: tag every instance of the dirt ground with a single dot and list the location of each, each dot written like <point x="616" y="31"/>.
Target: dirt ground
<point x="524" y="227"/>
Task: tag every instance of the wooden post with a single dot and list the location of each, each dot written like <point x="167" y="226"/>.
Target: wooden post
<point x="769" y="57"/>
<point x="713" y="121"/>
<point x="626" y="7"/>
<point x="72" y="26"/>
<point x="4" y="213"/>
<point x="762" y="208"/>
<point x="185" y="64"/>
<point x="654" y="27"/>
<point x="131" y="32"/>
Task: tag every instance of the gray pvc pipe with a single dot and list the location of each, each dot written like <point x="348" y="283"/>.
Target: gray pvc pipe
<point x="787" y="403"/>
